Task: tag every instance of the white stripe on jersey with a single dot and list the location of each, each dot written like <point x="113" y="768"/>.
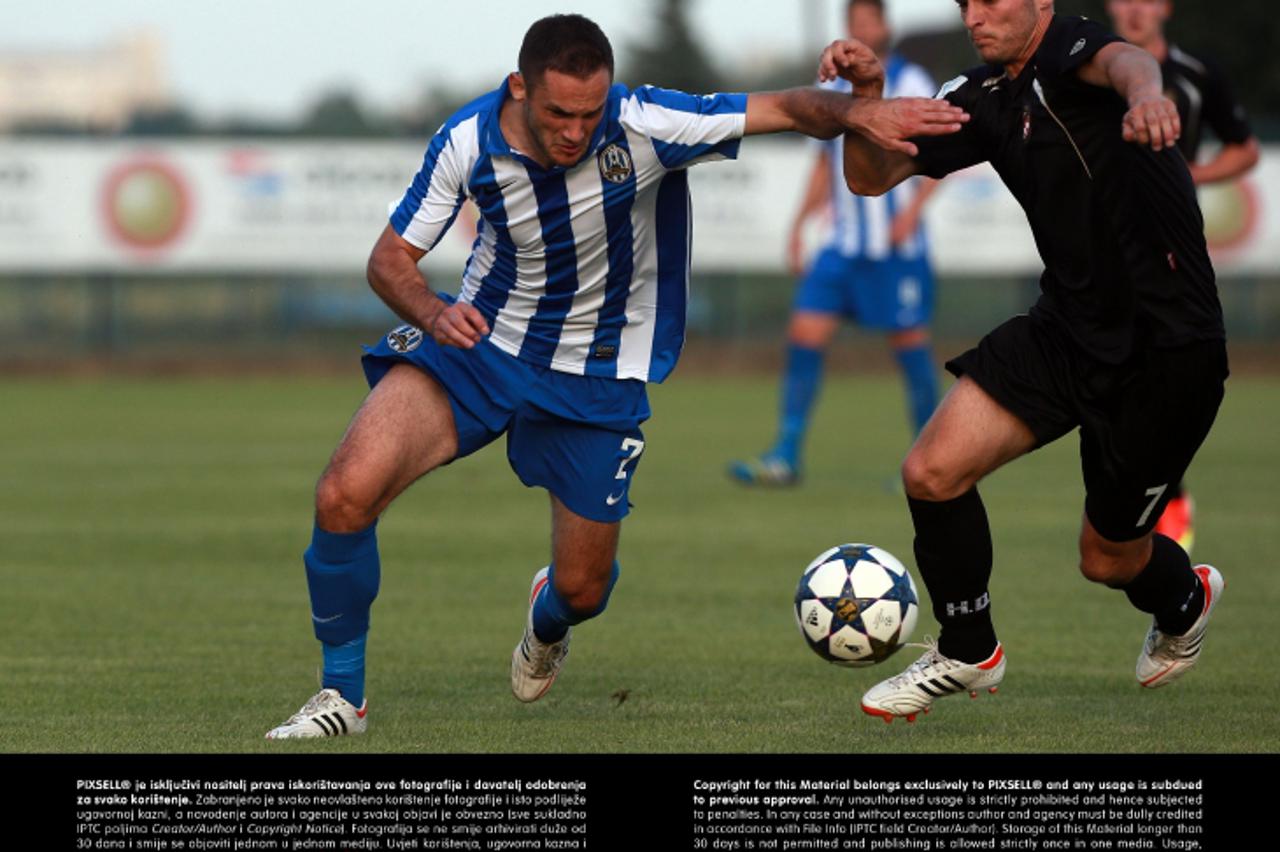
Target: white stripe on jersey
<point x="525" y="229"/>
<point x="586" y="217"/>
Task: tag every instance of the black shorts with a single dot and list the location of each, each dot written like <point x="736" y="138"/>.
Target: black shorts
<point x="1140" y="422"/>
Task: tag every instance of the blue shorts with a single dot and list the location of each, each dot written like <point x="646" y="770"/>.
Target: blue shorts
<point x="576" y="436"/>
<point x="892" y="294"/>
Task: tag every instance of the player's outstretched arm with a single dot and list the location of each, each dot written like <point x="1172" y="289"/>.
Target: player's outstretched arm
<point x="824" y="115"/>
<point x="394" y="275"/>
<point x="1152" y="118"/>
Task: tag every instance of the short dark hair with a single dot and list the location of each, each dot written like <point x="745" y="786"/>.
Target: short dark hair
<point x="570" y="44"/>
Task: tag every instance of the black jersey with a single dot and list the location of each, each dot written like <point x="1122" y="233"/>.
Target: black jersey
<point x="1203" y="97"/>
<point x="1117" y="224"/>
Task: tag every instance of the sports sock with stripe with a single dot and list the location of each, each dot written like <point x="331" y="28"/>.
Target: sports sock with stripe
<point x="343" y="574"/>
<point x="1168" y="588"/>
<point x="953" y="555"/>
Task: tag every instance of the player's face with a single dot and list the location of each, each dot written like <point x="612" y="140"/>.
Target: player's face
<point x="1139" y="22"/>
<point x="1002" y="30"/>
<point x="562" y="112"/>
<point x="866" y="24"/>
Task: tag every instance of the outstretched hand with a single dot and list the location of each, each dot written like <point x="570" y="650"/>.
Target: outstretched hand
<point x="891" y="124"/>
<point x="1152" y="121"/>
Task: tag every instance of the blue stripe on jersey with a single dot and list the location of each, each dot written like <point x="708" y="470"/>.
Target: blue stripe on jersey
<point x="673" y="155"/>
<point x="500" y="280"/>
<point x="672" y="236"/>
<point x="618" y="201"/>
<point x="417" y="191"/>
<point x="718" y="104"/>
<point x="543" y="332"/>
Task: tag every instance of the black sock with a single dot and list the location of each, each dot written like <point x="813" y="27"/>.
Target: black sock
<point x="953" y="554"/>
<point x="1168" y="588"/>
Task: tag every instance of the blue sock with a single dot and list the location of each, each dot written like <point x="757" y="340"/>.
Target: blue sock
<point x="552" y="617"/>
<point x="922" y="382"/>
<point x="800" y="385"/>
<point x="343" y="573"/>
<point x="344" y="669"/>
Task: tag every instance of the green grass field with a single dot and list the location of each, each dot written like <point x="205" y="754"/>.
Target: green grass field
<point x="154" y="597"/>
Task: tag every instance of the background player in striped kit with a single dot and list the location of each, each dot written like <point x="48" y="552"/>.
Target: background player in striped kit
<point x="874" y="269"/>
<point x="1203" y="97"/>
<point x="573" y="298"/>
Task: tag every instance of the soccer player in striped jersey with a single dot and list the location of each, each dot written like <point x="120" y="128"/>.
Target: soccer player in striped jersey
<point x="874" y="269"/>
<point x="573" y="298"/>
<point x="1203" y="97"/>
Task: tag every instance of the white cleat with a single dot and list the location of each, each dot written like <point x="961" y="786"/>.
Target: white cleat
<point x="930" y="677"/>
<point x="1166" y="658"/>
<point x="326" y="714"/>
<point x="534" y="663"/>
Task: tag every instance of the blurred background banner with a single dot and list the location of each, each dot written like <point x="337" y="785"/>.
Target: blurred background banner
<point x="306" y="206"/>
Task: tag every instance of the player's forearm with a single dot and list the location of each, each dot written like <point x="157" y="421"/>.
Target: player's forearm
<point x="393" y="274"/>
<point x="1232" y="161"/>
<point x="872" y="170"/>
<point x="811" y="111"/>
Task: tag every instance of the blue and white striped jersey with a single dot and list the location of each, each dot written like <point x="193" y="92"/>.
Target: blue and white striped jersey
<point x="583" y="269"/>
<point x="860" y="225"/>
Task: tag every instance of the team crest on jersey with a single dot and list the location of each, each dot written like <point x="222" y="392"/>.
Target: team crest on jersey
<point x="1077" y="47"/>
<point x="404" y="339"/>
<point x="1026" y="125"/>
<point x="615" y="164"/>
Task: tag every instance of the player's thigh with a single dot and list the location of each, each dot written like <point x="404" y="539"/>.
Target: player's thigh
<point x="403" y="430"/>
<point x="1136" y="444"/>
<point x="969" y="436"/>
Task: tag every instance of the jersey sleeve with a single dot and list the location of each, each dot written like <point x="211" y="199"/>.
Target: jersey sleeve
<point x="687" y="129"/>
<point x="432" y="201"/>
<point x="1069" y="43"/>
<point x="1222" y="111"/>
<point x="939" y="156"/>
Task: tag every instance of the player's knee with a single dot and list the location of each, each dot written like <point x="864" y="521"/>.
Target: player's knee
<point x="340" y="507"/>
<point x="587" y="594"/>
<point x="1111" y="569"/>
<point x="924" y="478"/>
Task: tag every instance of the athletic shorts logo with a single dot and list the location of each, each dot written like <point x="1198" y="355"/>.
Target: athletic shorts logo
<point x="404" y="339"/>
<point x="612" y="499"/>
<point x="615" y="164"/>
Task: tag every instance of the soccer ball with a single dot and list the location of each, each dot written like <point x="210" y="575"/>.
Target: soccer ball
<point x="856" y="605"/>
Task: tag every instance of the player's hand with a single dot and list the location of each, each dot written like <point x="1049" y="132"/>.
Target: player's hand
<point x="1152" y="121"/>
<point x="459" y="324"/>
<point x="855" y="62"/>
<point x="892" y="123"/>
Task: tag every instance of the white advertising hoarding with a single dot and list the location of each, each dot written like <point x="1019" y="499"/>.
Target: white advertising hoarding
<point x="253" y="206"/>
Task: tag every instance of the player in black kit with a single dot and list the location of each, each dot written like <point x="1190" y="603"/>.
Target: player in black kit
<point x="1203" y="98"/>
<point x="1126" y="341"/>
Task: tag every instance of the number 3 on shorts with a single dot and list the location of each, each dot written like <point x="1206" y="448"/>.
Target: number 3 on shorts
<point x="1155" y="494"/>
<point x="633" y="447"/>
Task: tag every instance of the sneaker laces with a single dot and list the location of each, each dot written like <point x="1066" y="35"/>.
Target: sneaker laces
<point x="932" y="659"/>
<point x="314" y="704"/>
<point x="543" y="656"/>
